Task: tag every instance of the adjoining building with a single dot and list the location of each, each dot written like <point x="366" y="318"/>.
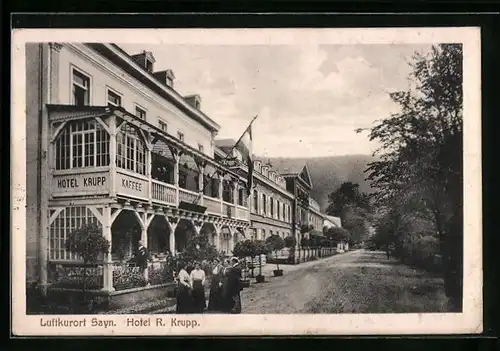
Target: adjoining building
<point x="316" y="218"/>
<point x="298" y="182"/>
<point x="332" y="221"/>
<point x="271" y="203"/>
<point x="110" y="141"/>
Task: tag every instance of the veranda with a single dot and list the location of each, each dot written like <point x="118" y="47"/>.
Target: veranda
<point x="137" y="183"/>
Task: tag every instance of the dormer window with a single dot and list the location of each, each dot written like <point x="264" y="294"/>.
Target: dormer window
<point x="194" y="100"/>
<point x="257" y="166"/>
<point x="165" y="77"/>
<point x="180" y="136"/>
<point x="145" y="59"/>
<point x="149" y="66"/>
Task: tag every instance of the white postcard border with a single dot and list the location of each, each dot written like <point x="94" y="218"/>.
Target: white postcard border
<point x="470" y="321"/>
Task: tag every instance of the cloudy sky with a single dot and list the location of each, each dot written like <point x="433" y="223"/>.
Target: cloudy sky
<point x="309" y="99"/>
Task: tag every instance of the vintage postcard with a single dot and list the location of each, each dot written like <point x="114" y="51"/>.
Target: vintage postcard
<point x="246" y="181"/>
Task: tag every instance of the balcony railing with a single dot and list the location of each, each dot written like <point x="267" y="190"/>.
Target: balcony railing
<point x="99" y="181"/>
<point x="187" y="195"/>
<point x="163" y="193"/>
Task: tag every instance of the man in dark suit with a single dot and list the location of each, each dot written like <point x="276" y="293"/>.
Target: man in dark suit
<point x="234" y="287"/>
<point x="142" y="256"/>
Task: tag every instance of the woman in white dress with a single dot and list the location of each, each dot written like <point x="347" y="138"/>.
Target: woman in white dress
<point x="197" y="278"/>
<point x="183" y="290"/>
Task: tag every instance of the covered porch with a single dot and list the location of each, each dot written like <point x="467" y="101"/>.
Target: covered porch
<point x="164" y="231"/>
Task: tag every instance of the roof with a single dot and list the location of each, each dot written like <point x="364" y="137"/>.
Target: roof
<point x="178" y="99"/>
<point x="226" y="145"/>
<point x="160" y="146"/>
<point x="335" y="220"/>
<point x="288" y="166"/>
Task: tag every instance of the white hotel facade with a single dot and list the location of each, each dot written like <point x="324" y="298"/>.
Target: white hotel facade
<point x="109" y="140"/>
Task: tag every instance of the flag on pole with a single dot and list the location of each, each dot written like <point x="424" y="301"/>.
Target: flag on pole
<point x="244" y="146"/>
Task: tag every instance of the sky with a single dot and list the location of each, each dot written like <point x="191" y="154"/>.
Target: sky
<point x="309" y="98"/>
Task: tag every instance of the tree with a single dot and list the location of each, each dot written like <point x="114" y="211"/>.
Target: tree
<point x="290" y="243"/>
<point x="354" y="209"/>
<point x="337" y="234"/>
<point x="356" y="221"/>
<point x="347" y="194"/>
<point x="246" y="248"/>
<point x="261" y="248"/>
<point x="88" y="243"/>
<point x="275" y="243"/>
<point x="198" y="248"/>
<point x="420" y="158"/>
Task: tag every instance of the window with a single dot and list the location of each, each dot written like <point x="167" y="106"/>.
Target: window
<point x="162" y="125"/>
<point x="81" y="89"/>
<point x="149" y="66"/>
<point x="271" y="203"/>
<point x="139" y="112"/>
<point x="264" y="205"/>
<point x="200" y="148"/>
<point x="241" y="196"/>
<point x="82" y="143"/>
<point x="227" y="191"/>
<point x="170" y="82"/>
<point x="69" y="219"/>
<point x="256" y="201"/>
<point x="114" y="99"/>
<point x="130" y="150"/>
<point x="180" y="136"/>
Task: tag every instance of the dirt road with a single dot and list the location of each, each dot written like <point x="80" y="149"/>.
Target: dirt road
<point x="354" y="282"/>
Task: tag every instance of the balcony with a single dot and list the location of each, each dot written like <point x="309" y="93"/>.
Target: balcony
<point x="111" y="153"/>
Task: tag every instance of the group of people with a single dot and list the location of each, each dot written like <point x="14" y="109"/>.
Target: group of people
<point x="225" y="288"/>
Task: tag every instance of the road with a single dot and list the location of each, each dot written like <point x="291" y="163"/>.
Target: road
<point x="354" y="282"/>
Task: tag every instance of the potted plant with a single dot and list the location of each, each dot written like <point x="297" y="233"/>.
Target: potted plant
<point x="261" y="248"/>
<point x="290" y="242"/>
<point x="88" y="243"/>
<point x="276" y="243"/>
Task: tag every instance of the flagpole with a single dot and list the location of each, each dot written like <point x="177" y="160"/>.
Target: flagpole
<point x="225" y="158"/>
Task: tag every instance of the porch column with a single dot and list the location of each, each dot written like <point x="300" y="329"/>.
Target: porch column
<point x="221" y="188"/>
<point x="171" y="241"/>
<point x="201" y="177"/>
<point x="232" y="230"/>
<point x="176" y="176"/>
<point x="217" y="228"/>
<point x="197" y="226"/>
<point x="112" y="155"/>
<point x="235" y="186"/>
<point x="149" y="162"/>
<point x="108" y="260"/>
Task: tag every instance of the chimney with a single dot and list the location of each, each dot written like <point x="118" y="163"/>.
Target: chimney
<point x="194" y="100"/>
<point x="145" y="59"/>
<point x="165" y="77"/>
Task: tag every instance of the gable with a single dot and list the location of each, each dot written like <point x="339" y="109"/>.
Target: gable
<point x="305" y="176"/>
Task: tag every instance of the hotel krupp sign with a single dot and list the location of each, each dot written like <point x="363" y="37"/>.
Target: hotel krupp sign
<point x="80" y="184"/>
<point x="131" y="186"/>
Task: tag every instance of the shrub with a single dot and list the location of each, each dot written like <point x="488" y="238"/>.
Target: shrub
<point x="88" y="243"/>
<point x="290" y="242"/>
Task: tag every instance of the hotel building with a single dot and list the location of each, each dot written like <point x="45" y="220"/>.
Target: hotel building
<point x="271" y="203"/>
<point x="110" y="141"/>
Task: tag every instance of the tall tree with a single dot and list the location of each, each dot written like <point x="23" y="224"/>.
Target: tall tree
<point x="346" y="195"/>
<point x="353" y="208"/>
<point x="420" y="158"/>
